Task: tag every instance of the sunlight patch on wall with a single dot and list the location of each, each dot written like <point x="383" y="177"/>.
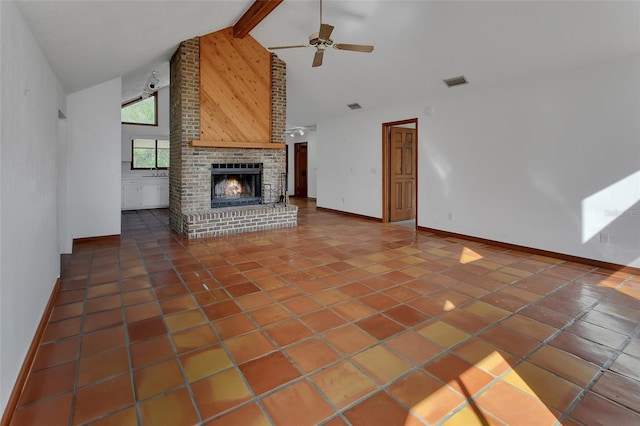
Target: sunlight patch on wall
<point x="605" y="206"/>
<point x="468" y="256"/>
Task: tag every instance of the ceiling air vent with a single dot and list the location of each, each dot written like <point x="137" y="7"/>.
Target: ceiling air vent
<point x="456" y="81"/>
<point x="354" y="106"/>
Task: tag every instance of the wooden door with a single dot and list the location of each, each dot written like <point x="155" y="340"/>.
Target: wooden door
<point x="300" y="172"/>
<point x="402" y="158"/>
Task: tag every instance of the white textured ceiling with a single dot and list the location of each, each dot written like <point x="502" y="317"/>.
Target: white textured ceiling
<point x="417" y="43"/>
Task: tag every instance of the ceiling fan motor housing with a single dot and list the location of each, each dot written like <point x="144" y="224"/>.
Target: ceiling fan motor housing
<point x="322" y="39"/>
<point x="316" y="41"/>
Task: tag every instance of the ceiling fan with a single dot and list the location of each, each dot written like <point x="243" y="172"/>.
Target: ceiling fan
<point x="321" y="40"/>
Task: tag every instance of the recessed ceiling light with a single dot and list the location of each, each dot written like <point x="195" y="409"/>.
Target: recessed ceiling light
<point x="456" y="81"/>
<point x="354" y="106"/>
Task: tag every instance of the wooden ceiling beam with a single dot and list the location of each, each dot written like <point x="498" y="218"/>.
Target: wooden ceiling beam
<point x="259" y="10"/>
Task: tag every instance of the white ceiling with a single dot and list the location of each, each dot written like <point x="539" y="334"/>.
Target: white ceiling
<point x="417" y="43"/>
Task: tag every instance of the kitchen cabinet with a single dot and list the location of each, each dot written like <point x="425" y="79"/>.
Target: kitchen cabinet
<point x="145" y="193"/>
<point x="131" y="198"/>
<point x="150" y="194"/>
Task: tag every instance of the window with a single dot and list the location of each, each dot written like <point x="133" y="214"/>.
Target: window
<point x="141" y="111"/>
<point x="149" y="154"/>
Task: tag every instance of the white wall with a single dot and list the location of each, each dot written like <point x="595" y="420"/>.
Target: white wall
<point x="548" y="162"/>
<point x="349" y="159"/>
<point x="29" y="263"/>
<point x="65" y="240"/>
<point x="529" y="154"/>
<point x="131" y="131"/>
<point x="94" y="160"/>
<point x="312" y="165"/>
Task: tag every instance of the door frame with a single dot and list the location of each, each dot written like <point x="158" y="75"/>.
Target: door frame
<point x="386" y="166"/>
<point x="296" y="167"/>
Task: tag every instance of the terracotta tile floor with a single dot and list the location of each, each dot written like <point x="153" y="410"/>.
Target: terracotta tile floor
<point x="338" y="321"/>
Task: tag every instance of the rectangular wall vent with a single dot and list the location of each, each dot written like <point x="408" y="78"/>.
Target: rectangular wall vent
<point x="354" y="106"/>
<point x="456" y="81"/>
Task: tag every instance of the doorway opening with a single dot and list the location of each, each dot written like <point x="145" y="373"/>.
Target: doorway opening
<point x="300" y="169"/>
<point x="400" y="172"/>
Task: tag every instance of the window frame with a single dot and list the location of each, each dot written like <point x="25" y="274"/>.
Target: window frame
<point x="155" y="156"/>
<point x="140" y="99"/>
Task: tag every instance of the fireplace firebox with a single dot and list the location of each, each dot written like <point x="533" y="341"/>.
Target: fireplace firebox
<point x="236" y="184"/>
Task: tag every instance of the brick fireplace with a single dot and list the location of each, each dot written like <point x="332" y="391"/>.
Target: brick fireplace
<point x="203" y="126"/>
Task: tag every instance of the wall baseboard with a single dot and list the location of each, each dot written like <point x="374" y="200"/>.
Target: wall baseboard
<point x="561" y="256"/>
<point x="27" y="364"/>
<point x="360" y="216"/>
<point x="106" y="239"/>
<point x="302" y="198"/>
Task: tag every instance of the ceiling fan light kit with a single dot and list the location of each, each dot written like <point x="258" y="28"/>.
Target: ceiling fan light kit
<point x="322" y="39"/>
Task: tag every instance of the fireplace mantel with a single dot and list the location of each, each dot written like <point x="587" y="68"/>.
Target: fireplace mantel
<point x="251" y="145"/>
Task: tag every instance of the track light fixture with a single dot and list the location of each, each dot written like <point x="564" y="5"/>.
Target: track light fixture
<point x="153" y="81"/>
<point x="152" y="86"/>
<point x="300" y="131"/>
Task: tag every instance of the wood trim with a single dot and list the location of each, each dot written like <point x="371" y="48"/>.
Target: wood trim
<point x="416" y="187"/>
<point x="297" y="169"/>
<point x="271" y="117"/>
<point x="27" y="364"/>
<point x="312" y="199"/>
<point x="540" y="252"/>
<point x="386" y="169"/>
<point x="356" y="215"/>
<point x="259" y="10"/>
<point x="250" y="145"/>
<point x="100" y="239"/>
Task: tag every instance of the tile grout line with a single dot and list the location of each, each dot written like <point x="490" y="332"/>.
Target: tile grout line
<point x="496" y="379"/>
<point x="357" y="248"/>
<point x="602" y="370"/>
<point x="545" y="296"/>
<point x="304" y="376"/>
<point x="235" y="366"/>
<point x="382" y="342"/>
<point x="187" y="384"/>
<point x="85" y="300"/>
<point x="137" y="403"/>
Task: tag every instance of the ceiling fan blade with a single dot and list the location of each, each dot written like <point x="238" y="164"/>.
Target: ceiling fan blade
<point x="287" y="47"/>
<point x="317" y="58"/>
<point x="325" y="31"/>
<point x="366" y="48"/>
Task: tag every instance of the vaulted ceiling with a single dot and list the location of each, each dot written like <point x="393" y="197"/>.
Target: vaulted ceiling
<point x="417" y="43"/>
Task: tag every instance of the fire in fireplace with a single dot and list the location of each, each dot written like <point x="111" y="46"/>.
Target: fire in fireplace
<point x="236" y="184"/>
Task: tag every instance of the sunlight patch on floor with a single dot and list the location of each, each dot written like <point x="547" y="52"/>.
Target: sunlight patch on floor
<point x="448" y="306"/>
<point x="476" y="411"/>
<point x="468" y="256"/>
